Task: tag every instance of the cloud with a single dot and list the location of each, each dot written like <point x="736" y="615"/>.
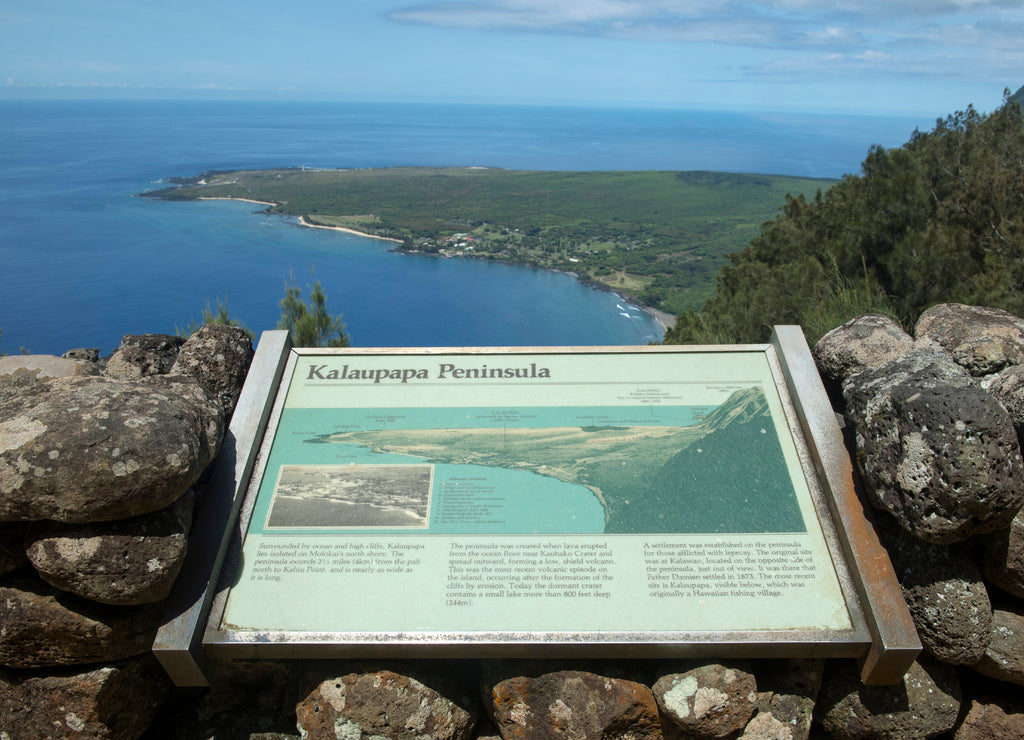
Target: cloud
<point x="998" y="66"/>
<point x="766" y="23"/>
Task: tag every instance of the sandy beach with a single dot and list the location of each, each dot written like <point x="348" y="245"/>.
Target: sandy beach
<point x="304" y="222"/>
<point x="244" y="200"/>
<point x="666" y="320"/>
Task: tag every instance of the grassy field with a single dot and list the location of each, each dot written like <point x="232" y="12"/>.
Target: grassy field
<point x="659" y="237"/>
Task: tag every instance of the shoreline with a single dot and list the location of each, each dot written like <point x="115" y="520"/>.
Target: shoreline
<point x="243" y="200"/>
<point x="665" y="320"/>
<point x="308" y="225"/>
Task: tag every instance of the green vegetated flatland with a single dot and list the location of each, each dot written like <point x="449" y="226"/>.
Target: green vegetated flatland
<point x="660" y="237"/>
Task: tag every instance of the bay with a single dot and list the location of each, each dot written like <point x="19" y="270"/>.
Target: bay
<point x="84" y="262"/>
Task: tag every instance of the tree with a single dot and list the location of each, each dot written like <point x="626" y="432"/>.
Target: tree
<point x="940" y="219"/>
<point x="209" y="317"/>
<point x="310" y="324"/>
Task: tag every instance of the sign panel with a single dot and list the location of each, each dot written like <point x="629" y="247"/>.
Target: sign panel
<point x="501" y="499"/>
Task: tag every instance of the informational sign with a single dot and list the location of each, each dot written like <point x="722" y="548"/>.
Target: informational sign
<point x="541" y="492"/>
<point x="642" y="501"/>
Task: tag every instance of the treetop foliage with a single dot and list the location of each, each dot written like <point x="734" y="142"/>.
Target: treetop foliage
<point x="940" y="219"/>
<point x="310" y="324"/>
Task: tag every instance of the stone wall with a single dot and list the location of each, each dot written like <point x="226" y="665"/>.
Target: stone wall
<point x="101" y="472"/>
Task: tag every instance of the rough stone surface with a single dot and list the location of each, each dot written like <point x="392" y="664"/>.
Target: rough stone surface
<point x="141" y="355"/>
<point x="935" y="450"/>
<point x="46" y="366"/>
<point x="93" y="449"/>
<point x="89" y="354"/>
<point x="1004" y="659"/>
<point x="1007" y="387"/>
<point x="983" y="340"/>
<point x="218" y="358"/>
<point x="131" y="561"/>
<point x="116" y="701"/>
<point x="12" y="552"/>
<point x="44" y="627"/>
<point x="711" y="701"/>
<point x="945" y="593"/>
<point x="384" y="704"/>
<point x="764" y="726"/>
<point x="574" y="704"/>
<point x="863" y="343"/>
<point x="925" y="704"/>
<point x="787" y="690"/>
<point x="1000" y="555"/>
<point x="992" y="719"/>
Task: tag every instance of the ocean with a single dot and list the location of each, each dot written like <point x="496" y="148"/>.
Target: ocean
<point x="85" y="262"/>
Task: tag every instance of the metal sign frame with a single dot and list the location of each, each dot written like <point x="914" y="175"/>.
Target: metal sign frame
<point x="340" y="603"/>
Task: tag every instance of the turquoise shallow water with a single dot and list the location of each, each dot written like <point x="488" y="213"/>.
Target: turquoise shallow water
<point x="84" y="262"/>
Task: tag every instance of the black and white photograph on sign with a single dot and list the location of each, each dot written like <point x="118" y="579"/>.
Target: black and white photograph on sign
<point x="348" y="496"/>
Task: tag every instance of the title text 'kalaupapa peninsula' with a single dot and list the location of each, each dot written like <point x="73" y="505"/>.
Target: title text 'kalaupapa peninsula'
<point x="445" y="371"/>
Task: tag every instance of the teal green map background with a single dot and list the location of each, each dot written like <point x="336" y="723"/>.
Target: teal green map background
<point x="562" y="470"/>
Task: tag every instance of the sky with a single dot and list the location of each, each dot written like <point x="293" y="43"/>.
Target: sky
<point x="891" y="57"/>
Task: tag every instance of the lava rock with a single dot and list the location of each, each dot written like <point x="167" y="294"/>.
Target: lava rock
<point x="217" y="357"/>
<point x="982" y="340"/>
<point x="43" y="627"/>
<point x="116" y="701"/>
<point x="935" y="450"/>
<point x="1007" y="387"/>
<point x="711" y="701"/>
<point x="382" y="703"/>
<point x="925" y="704"/>
<point x="1000" y="556"/>
<point x="863" y="343"/>
<point x="574" y="704"/>
<point x="47" y="366"/>
<point x="131" y="561"/>
<point x="1004" y="659"/>
<point x="92" y="449"/>
<point x="945" y="593"/>
<point x="142" y="355"/>
<point x="787" y="690"/>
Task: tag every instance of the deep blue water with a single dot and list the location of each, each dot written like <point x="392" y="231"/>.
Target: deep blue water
<point x="83" y="262"/>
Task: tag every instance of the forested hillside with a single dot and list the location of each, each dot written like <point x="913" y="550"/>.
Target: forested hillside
<point x="939" y="219"/>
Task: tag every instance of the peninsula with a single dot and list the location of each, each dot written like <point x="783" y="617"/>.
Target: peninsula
<point x="657" y="237"/>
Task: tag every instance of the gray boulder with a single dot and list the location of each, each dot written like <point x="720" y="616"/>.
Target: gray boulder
<point x="787" y="691"/>
<point x="116" y="701"/>
<point x="383" y="704"/>
<point x="217" y="357"/>
<point x="43" y="627"/>
<point x="863" y="343"/>
<point x="1007" y="387"/>
<point x="935" y="450"/>
<point x="983" y="340"/>
<point x="92" y="449"/>
<point x="89" y="354"/>
<point x="925" y="704"/>
<point x="574" y="704"/>
<point x="945" y="593"/>
<point x="47" y="366"/>
<point x="142" y="355"/>
<point x="1004" y="659"/>
<point x="711" y="701"/>
<point x="1000" y="555"/>
<point x="131" y="561"/>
